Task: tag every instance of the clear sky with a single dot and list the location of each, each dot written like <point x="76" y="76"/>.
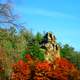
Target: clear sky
<point x="62" y="17"/>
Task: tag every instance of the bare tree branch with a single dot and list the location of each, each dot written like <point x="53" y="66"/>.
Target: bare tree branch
<point x="6" y="13"/>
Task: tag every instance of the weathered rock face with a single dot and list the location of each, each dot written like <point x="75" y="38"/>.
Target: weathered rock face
<point x="52" y="49"/>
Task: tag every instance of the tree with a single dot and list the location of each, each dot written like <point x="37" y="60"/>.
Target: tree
<point x="38" y="37"/>
<point x="67" y="51"/>
<point x="72" y="55"/>
<point x="7" y="15"/>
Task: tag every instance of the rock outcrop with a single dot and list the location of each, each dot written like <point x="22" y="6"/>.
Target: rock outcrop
<point x="52" y="49"/>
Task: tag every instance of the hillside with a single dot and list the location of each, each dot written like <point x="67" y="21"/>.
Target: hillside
<point x="24" y="56"/>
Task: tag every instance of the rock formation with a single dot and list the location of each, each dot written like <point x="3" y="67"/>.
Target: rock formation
<point x="52" y="49"/>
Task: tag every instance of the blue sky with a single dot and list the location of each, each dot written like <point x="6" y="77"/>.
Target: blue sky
<point x="62" y="17"/>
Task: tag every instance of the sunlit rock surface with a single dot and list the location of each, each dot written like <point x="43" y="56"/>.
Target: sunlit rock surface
<point x="52" y="49"/>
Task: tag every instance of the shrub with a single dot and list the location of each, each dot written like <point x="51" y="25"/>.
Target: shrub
<point x="21" y="71"/>
<point x="35" y="69"/>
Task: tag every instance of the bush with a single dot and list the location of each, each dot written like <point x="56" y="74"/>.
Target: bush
<point x="60" y="69"/>
<point x="21" y="71"/>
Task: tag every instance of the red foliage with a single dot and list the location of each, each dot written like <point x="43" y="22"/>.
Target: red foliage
<point x="63" y="69"/>
<point x="43" y="70"/>
<point x="28" y="57"/>
<point x="21" y="71"/>
<point x="43" y="66"/>
<point x="63" y="63"/>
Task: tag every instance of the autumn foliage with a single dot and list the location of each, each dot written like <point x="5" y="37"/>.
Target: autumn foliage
<point x="60" y="69"/>
<point x="21" y="71"/>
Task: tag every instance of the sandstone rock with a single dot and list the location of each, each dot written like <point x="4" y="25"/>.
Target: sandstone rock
<point x="52" y="49"/>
